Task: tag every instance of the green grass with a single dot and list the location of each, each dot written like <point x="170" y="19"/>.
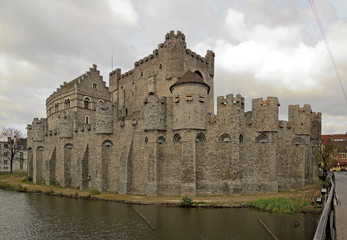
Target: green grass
<point x="279" y="205"/>
<point x="12" y="175"/>
<point x="16" y="187"/>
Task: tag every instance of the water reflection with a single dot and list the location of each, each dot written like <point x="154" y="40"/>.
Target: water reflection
<point x="34" y="216"/>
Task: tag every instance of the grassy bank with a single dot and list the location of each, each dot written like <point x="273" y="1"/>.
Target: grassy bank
<point x="290" y="201"/>
<point x="280" y="204"/>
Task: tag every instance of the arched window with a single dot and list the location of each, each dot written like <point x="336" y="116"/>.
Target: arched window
<point x="225" y="138"/>
<point x="241" y="138"/>
<point x="146" y="139"/>
<point x="177" y="138"/>
<point x="86" y="103"/>
<point x="200" y="137"/>
<point x="56" y="106"/>
<point x="68" y="146"/>
<point x="87" y="120"/>
<point x="107" y="143"/>
<point x="262" y="138"/>
<point x="198" y="73"/>
<point x="67" y="103"/>
<point x="160" y="140"/>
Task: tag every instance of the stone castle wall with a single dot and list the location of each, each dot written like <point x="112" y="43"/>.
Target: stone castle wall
<point x="138" y="137"/>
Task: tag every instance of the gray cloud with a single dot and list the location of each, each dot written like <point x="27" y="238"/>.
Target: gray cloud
<point x="43" y="44"/>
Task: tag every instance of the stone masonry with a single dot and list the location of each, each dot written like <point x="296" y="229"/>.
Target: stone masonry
<point x="153" y="131"/>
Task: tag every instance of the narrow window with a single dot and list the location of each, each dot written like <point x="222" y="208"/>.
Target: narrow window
<point x="56" y="107"/>
<point x="67" y="103"/>
<point x="177" y="99"/>
<point x="86" y="103"/>
<point x="87" y="120"/>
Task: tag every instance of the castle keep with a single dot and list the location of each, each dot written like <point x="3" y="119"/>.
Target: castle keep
<point x="153" y="131"/>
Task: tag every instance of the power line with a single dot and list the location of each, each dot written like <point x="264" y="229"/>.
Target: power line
<point x="313" y="6"/>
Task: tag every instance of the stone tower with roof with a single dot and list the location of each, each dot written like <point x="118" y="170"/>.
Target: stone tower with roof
<point x="153" y="131"/>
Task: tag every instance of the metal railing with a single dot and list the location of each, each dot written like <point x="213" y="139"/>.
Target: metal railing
<point x="326" y="226"/>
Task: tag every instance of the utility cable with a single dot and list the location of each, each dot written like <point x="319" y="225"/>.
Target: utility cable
<point x="313" y="6"/>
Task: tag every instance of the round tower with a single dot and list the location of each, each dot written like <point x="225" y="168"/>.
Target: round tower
<point x="190" y="96"/>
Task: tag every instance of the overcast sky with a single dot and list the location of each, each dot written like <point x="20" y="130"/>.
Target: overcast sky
<point x="263" y="48"/>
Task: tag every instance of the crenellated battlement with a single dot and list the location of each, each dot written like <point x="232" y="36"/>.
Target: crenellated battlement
<point x="38" y="129"/>
<point x="231" y="100"/>
<point x="302" y="118"/>
<point x="172" y="37"/>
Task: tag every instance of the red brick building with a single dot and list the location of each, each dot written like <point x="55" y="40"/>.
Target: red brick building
<point x="340" y="141"/>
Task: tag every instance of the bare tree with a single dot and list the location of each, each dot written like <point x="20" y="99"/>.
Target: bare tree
<point x="11" y="136"/>
<point x="326" y="157"/>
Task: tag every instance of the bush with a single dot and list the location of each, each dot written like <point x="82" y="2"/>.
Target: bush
<point x="186" y="201"/>
<point x="27" y="179"/>
<point x="54" y="183"/>
<point x="94" y="191"/>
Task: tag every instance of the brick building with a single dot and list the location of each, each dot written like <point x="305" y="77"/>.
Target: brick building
<point x="339" y="160"/>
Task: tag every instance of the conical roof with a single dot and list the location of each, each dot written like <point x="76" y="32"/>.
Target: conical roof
<point x="190" y="77"/>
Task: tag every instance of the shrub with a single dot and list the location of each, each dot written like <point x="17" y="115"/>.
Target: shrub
<point x="94" y="191"/>
<point x="27" y="179"/>
<point x="54" y="183"/>
<point x="186" y="201"/>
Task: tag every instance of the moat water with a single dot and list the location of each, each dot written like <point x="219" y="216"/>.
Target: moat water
<point x="35" y="216"/>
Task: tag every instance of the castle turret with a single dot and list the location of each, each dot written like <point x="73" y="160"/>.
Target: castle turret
<point x="173" y="53"/>
<point x="230" y="109"/>
<point x="154" y="113"/>
<point x="300" y="119"/>
<point x="265" y="114"/>
<point x="316" y="127"/>
<point x="190" y="102"/>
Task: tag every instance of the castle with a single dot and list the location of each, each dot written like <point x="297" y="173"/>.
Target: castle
<point x="153" y="131"/>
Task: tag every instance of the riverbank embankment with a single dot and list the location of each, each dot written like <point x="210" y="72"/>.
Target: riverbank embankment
<point x="302" y="200"/>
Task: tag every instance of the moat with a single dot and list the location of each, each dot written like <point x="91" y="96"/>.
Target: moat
<point x="36" y="216"/>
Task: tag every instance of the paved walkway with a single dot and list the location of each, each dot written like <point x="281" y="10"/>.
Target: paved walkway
<point x="341" y="208"/>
